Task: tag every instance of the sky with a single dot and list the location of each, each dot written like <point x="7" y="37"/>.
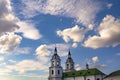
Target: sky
<point x="30" y="30"/>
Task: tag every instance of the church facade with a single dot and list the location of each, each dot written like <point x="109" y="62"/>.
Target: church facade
<point x="56" y="71"/>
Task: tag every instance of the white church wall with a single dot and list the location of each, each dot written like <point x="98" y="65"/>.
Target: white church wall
<point x="90" y="77"/>
<point x="99" y="77"/>
<point x="70" y="78"/>
<point x="79" y="78"/>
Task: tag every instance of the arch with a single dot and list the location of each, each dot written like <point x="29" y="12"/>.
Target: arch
<point x="58" y="71"/>
<point x="98" y="78"/>
<point x="52" y="72"/>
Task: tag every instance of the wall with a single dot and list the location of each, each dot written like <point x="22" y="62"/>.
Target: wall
<point x="112" y="78"/>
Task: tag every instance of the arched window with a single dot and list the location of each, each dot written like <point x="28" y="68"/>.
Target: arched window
<point x="67" y="66"/>
<point x="52" y="72"/>
<point x="58" y="71"/>
<point x="98" y="78"/>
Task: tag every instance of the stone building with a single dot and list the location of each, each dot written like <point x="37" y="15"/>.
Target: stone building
<point x="56" y="71"/>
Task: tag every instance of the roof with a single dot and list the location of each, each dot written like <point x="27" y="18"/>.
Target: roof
<point x="55" y="56"/>
<point x="115" y="73"/>
<point x="85" y="72"/>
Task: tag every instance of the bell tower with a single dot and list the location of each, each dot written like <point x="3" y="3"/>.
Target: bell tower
<point x="69" y="63"/>
<point x="55" y="70"/>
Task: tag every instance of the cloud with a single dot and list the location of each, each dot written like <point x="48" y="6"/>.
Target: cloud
<point x="74" y="45"/>
<point x="1" y="58"/>
<point x="109" y="34"/>
<point x="23" y="50"/>
<point x="84" y="11"/>
<point x="95" y="59"/>
<point x="118" y="54"/>
<point x="109" y="5"/>
<point x="42" y="53"/>
<point x="28" y="29"/>
<point x="25" y="65"/>
<point x="75" y="34"/>
<point x="11" y="23"/>
<point x="77" y="67"/>
<point x="7" y="19"/>
<point x="9" y="42"/>
<point x="100" y="66"/>
<point x="12" y="61"/>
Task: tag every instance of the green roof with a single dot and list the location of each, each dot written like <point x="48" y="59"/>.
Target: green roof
<point x="86" y="72"/>
<point x="115" y="73"/>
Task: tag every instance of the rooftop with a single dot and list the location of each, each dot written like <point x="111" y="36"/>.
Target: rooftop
<point x="115" y="73"/>
<point x="85" y="72"/>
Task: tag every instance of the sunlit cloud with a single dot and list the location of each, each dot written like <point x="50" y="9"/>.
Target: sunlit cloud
<point x="109" y="31"/>
<point x="77" y="9"/>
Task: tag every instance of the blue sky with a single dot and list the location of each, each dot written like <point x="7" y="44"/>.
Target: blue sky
<point x="30" y="29"/>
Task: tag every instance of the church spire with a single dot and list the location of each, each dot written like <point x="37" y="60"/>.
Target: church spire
<point x="69" y="54"/>
<point x="55" y="51"/>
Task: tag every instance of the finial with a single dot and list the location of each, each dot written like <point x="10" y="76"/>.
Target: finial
<point x="55" y="51"/>
<point x="87" y="66"/>
<point x="69" y="54"/>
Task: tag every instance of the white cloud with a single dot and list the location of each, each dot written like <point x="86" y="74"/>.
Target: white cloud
<point x="95" y="59"/>
<point x="84" y="11"/>
<point x="9" y="42"/>
<point x="12" y="61"/>
<point x="42" y="53"/>
<point x="26" y="65"/>
<point x="7" y="19"/>
<point x="23" y="50"/>
<point x="77" y="67"/>
<point x="109" y="34"/>
<point x="118" y="54"/>
<point x="28" y="29"/>
<point x="10" y="23"/>
<point x="74" y="45"/>
<point x="1" y="58"/>
<point x="75" y="34"/>
<point x="109" y="5"/>
<point x="100" y="66"/>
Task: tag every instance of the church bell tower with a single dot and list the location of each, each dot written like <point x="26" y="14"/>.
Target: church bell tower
<point x="69" y="63"/>
<point x="55" y="70"/>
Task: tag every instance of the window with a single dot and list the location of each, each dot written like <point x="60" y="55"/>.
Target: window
<point x="98" y="79"/>
<point x="58" y="71"/>
<point x="52" y="63"/>
<point x="57" y="63"/>
<point x="67" y="66"/>
<point x="52" y="71"/>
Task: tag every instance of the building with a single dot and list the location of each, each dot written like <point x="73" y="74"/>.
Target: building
<point x="56" y="71"/>
<point x="113" y="76"/>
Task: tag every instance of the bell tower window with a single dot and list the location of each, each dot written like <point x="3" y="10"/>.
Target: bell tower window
<point x="52" y="72"/>
<point x="52" y="63"/>
<point x="58" y="71"/>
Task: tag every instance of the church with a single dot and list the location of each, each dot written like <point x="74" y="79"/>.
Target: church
<point x="56" y="71"/>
